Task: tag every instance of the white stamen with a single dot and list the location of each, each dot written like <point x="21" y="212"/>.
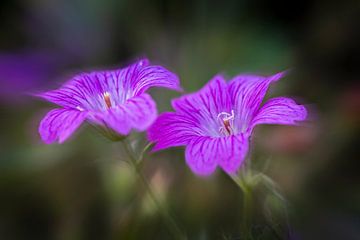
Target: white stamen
<point x="227" y="116"/>
<point x="79" y="108"/>
<point x="226" y="121"/>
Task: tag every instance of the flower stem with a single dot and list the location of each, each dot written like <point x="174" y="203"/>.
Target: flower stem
<point x="247" y="206"/>
<point x="136" y="164"/>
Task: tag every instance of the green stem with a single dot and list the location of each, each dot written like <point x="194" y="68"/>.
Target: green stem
<point x="247" y="206"/>
<point x="173" y="227"/>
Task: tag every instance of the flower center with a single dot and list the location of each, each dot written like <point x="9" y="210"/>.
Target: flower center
<point x="226" y="121"/>
<point x="107" y="99"/>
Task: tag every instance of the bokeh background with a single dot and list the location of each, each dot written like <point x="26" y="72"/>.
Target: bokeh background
<point x="83" y="190"/>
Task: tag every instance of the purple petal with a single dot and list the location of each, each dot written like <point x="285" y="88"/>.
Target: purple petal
<point x="247" y="93"/>
<point x="155" y="76"/>
<point x="172" y="129"/>
<point x="86" y="90"/>
<point x="59" y="124"/>
<point x="203" y="154"/>
<point x="81" y="91"/>
<point x="137" y="112"/>
<point x="280" y="110"/>
<point x="233" y="152"/>
<point x="125" y="79"/>
<point x="205" y="105"/>
<point x="141" y="111"/>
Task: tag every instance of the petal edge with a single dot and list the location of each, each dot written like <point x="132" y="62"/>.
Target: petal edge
<point x="59" y="124"/>
<point x="280" y="110"/>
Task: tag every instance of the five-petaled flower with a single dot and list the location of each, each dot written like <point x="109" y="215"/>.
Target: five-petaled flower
<point x="216" y="122"/>
<point x="115" y="100"/>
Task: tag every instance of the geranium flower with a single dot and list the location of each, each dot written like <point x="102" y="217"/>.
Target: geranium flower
<point x="115" y="100"/>
<point x="216" y="122"/>
<point x="37" y="67"/>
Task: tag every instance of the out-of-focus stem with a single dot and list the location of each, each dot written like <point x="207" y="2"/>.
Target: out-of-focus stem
<point x="136" y="163"/>
<point x="247" y="206"/>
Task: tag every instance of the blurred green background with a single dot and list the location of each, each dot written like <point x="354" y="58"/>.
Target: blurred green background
<point x="82" y="189"/>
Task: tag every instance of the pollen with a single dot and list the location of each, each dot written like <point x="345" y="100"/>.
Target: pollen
<point x="107" y="99"/>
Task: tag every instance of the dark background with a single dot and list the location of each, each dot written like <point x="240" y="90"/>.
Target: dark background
<point x="83" y="190"/>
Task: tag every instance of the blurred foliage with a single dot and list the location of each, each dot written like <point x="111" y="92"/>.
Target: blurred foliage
<point x="84" y="190"/>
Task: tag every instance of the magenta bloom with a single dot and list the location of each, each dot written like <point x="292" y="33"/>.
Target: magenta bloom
<point x="216" y="122"/>
<point x="114" y="100"/>
<point x="24" y="71"/>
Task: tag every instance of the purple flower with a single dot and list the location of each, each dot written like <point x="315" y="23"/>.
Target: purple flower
<point x="24" y="71"/>
<point x="216" y="122"/>
<point x="114" y="100"/>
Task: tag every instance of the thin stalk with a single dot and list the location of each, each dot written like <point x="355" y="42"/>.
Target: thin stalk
<point x="247" y="206"/>
<point x="173" y="227"/>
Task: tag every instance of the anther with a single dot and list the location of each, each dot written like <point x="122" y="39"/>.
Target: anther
<point x="107" y="99"/>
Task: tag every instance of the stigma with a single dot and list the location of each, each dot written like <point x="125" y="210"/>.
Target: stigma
<point x="226" y="121"/>
<point x="107" y="99"/>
